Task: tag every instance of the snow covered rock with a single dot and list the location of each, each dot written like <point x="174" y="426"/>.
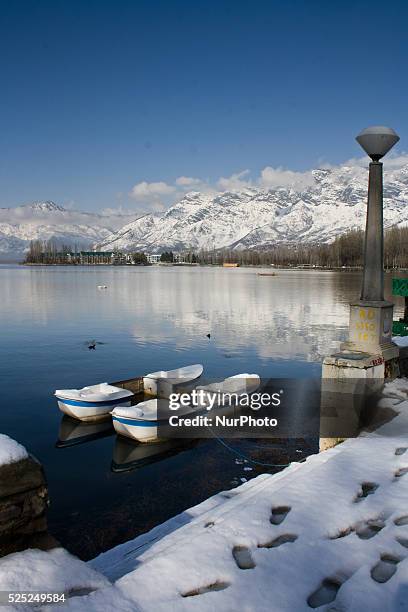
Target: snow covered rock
<point x="10" y="450"/>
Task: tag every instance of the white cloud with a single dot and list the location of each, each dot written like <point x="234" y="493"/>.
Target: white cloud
<point x="234" y="182"/>
<point x="393" y="161"/>
<point x="69" y="204"/>
<point x="271" y="178"/>
<point x="157" y="206"/>
<point x="120" y="211"/>
<point x="396" y="161"/>
<point x="188" y="181"/>
<point x="147" y="191"/>
<point x="113" y="218"/>
<point x="116" y="211"/>
<point x="158" y="196"/>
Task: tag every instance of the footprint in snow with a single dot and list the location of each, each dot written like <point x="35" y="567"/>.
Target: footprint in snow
<point x="367" y="488"/>
<point x="279" y="514"/>
<point x="385" y="568"/>
<point x="365" y="530"/>
<point x="402" y="520"/>
<point x="325" y="594"/>
<point x="368" y="530"/>
<point x="285" y="538"/>
<point x="214" y="586"/>
<point x="243" y="558"/>
<point x="401" y="472"/>
<point x="403" y="542"/>
<point x="229" y="494"/>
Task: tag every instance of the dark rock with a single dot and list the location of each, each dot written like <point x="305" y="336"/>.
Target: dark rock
<point x="21" y="476"/>
<point x="23" y="505"/>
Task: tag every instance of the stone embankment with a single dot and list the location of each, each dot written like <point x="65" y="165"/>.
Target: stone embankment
<point x="23" y="504"/>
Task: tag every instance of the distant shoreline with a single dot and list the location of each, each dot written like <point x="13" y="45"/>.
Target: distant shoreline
<point x="197" y="265"/>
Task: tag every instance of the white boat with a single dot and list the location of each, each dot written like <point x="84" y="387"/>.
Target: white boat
<point x="162" y="383"/>
<point x="102" y="286"/>
<point x="140" y="422"/>
<point x="137" y="422"/>
<point x="92" y="403"/>
<point x="239" y="384"/>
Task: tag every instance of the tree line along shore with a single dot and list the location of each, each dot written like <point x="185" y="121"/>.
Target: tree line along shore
<point x="346" y="251"/>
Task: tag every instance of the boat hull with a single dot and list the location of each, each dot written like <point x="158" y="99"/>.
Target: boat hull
<point x="163" y="383"/>
<point x="140" y="430"/>
<point x="89" y="411"/>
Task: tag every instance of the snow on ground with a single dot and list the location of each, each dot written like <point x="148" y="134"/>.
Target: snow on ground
<point x="400" y="340"/>
<point x="329" y="534"/>
<point x="52" y="571"/>
<point x="10" y="450"/>
<point x="55" y="570"/>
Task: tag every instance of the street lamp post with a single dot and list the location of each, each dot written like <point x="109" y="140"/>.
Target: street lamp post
<point x="376" y="142"/>
<point x="369" y="356"/>
<point x="371" y="317"/>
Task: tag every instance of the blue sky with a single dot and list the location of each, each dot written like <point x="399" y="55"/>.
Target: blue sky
<point x="107" y="104"/>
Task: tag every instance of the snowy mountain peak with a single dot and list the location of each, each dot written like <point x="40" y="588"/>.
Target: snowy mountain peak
<point x="50" y="221"/>
<point x="329" y="202"/>
<point x="47" y="206"/>
<point x="319" y="206"/>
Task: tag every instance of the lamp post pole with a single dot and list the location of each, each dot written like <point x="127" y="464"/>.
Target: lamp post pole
<point x="373" y="274"/>
<point x="369" y="356"/>
<point x="376" y="142"/>
<point x="370" y="331"/>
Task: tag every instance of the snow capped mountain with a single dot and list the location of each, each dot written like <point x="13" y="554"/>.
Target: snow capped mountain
<point x="329" y="202"/>
<point x="47" y="220"/>
<point x="333" y="202"/>
<point x="45" y="207"/>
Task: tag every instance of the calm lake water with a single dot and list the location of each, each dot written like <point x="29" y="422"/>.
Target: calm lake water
<point x="107" y="490"/>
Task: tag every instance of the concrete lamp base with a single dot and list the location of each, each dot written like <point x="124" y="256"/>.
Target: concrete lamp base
<point x="357" y="372"/>
<point x="348" y="380"/>
<point x="370" y="330"/>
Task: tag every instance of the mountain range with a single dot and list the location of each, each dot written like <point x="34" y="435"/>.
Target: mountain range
<point x="47" y="220"/>
<point x="330" y="202"/>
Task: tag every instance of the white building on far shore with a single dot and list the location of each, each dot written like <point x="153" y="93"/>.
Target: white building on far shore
<point x="177" y="257"/>
<point x="153" y="259"/>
